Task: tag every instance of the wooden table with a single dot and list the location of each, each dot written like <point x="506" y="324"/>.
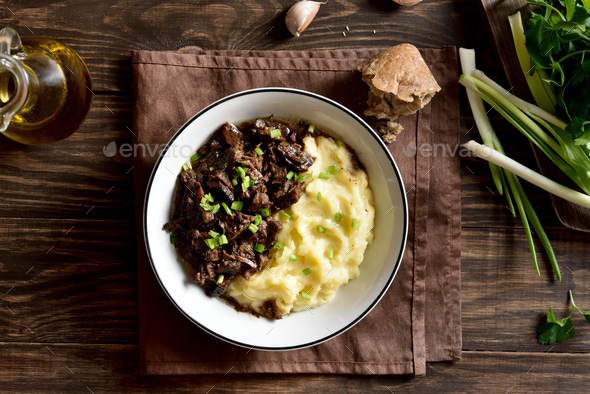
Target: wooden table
<point x="68" y="319"/>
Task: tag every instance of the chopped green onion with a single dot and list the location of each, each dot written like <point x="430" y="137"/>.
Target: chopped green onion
<point x="307" y="271"/>
<point x="215" y="208"/>
<point x="213" y="234"/>
<point x="274" y="133"/>
<point x="339" y="143"/>
<point x="258" y="151"/>
<point x="333" y="170"/>
<point x="311" y="128"/>
<point x="305" y="296"/>
<point x="285" y="214"/>
<point x="219" y="280"/>
<point x="173" y="238"/>
<point x="258" y="220"/>
<point x="237" y="205"/>
<point x="265" y="212"/>
<point x="259" y="248"/>
<point x="223" y="239"/>
<point x="195" y="157"/>
<point x="330" y="254"/>
<point x="234" y="182"/>
<point x="185" y="166"/>
<point x="211" y="168"/>
<point x="338" y="216"/>
<point x="245" y="183"/>
<point x="292" y="258"/>
<point x="253" y="228"/>
<point x="211" y="243"/>
<point x="304" y="177"/>
<point x="290" y="174"/>
<point x="252" y="183"/>
<point x="278" y="245"/>
<point x="321" y="230"/>
<point x="209" y="197"/>
<point x="319" y="196"/>
<point x="324" y="176"/>
<point x="206" y="206"/>
<point x="226" y="208"/>
<point x="356" y="224"/>
<point x="241" y="172"/>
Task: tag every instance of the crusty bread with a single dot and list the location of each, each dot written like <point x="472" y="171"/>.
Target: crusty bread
<point x="400" y="82"/>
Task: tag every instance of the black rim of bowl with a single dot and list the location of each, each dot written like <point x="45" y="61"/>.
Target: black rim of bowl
<point x="371" y="132"/>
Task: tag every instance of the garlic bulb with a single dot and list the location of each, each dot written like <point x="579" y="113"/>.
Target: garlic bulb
<point x="300" y="16"/>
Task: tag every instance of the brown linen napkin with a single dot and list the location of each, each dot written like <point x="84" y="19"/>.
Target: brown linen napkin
<point x="418" y="320"/>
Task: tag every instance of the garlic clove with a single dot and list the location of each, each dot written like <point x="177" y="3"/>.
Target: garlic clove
<point x="300" y="16"/>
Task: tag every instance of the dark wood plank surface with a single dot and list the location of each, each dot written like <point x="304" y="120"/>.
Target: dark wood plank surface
<point x="495" y="15"/>
<point x="67" y="256"/>
<point x="76" y="368"/>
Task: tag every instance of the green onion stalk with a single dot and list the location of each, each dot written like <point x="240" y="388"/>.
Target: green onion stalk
<point x="504" y="179"/>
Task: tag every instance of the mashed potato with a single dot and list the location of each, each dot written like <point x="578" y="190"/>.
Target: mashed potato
<point x="284" y="279"/>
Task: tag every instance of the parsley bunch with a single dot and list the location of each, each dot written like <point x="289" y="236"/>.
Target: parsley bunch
<point x="559" y="330"/>
<point x="558" y="41"/>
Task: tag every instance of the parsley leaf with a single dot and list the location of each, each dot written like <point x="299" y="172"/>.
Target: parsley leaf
<point x="556" y="330"/>
<point x="559" y="330"/>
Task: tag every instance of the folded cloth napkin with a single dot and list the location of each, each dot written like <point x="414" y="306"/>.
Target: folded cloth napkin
<point x="418" y="320"/>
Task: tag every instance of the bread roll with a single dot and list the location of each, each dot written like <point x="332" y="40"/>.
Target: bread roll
<point x="400" y="82"/>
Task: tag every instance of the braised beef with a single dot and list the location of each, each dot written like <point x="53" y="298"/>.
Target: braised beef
<point x="219" y="245"/>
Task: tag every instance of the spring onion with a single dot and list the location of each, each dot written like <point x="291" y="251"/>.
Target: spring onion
<point x="338" y="216"/>
<point x="211" y="168"/>
<point x="356" y="224"/>
<point x="257" y="220"/>
<point x="215" y="208"/>
<point x="304" y="177"/>
<point x="265" y="212"/>
<point x="525" y="173"/>
<point x="292" y="258"/>
<point x="307" y="271"/>
<point x="185" y="167"/>
<point x="504" y="177"/>
<point x="275" y="133"/>
<point x="209" y="197"/>
<point x="278" y="246"/>
<point x="320" y="229"/>
<point x="285" y="214"/>
<point x="330" y="254"/>
<point x="333" y="170"/>
<point x="252" y="227"/>
<point x="213" y="234"/>
<point x="219" y="280"/>
<point x="234" y="182"/>
<point x="223" y="239"/>
<point x="237" y="205"/>
<point x="246" y="183"/>
<point x="290" y="175"/>
<point x="311" y="128"/>
<point x="195" y="157"/>
<point x="211" y="243"/>
<point x="173" y="239"/>
<point x="259" y="248"/>
<point x="226" y="208"/>
<point x="305" y="296"/>
<point x="324" y="176"/>
<point x="258" y="151"/>
<point x="241" y="172"/>
<point x="319" y="196"/>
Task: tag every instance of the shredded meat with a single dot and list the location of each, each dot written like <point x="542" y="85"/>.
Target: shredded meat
<point x="228" y="171"/>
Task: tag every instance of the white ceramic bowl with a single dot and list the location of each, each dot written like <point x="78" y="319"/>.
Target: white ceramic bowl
<point x="353" y="300"/>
